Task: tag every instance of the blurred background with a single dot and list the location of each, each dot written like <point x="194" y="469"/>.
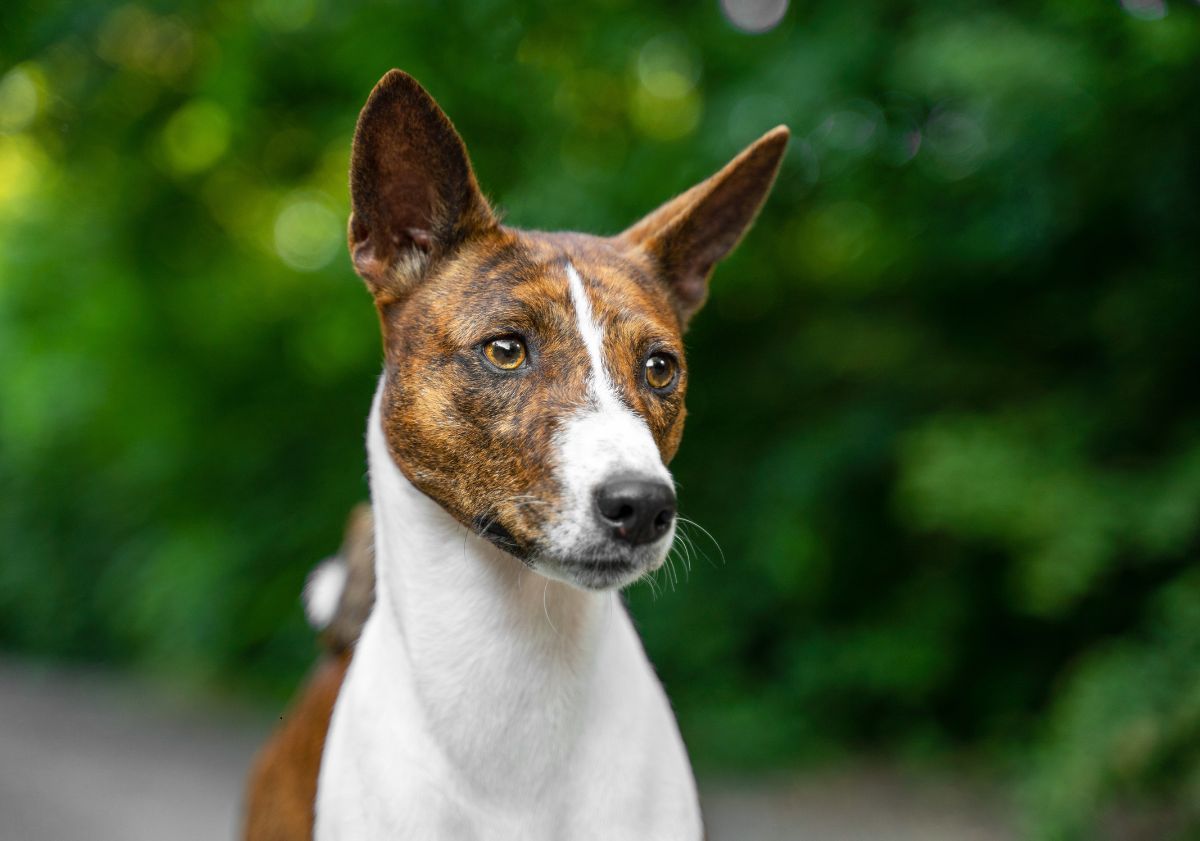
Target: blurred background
<point x="944" y="419"/>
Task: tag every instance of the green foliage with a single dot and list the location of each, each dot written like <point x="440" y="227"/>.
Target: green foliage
<point x="944" y="421"/>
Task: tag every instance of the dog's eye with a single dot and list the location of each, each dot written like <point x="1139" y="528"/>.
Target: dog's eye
<point x="660" y="371"/>
<point x="507" y="353"/>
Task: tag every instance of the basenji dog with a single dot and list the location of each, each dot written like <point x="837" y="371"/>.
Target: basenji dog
<point x="532" y="395"/>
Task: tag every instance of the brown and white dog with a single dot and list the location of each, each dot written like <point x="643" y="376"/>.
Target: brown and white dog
<point x="531" y="396"/>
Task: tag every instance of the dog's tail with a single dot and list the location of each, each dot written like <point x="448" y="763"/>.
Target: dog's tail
<point x="340" y="591"/>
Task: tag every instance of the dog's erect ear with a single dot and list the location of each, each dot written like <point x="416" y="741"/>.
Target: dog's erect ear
<point x="412" y="192"/>
<point x="688" y="235"/>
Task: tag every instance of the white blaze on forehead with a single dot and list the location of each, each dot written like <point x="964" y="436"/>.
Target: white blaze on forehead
<point x="593" y="339"/>
<point x="599" y="442"/>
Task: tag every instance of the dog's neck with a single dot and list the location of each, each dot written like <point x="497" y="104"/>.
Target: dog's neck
<point x="484" y="700"/>
<point x="499" y="659"/>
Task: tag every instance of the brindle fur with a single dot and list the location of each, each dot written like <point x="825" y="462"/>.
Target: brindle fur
<point x="357" y="555"/>
<point x="481" y="443"/>
<point x="446" y="277"/>
<point x="282" y="786"/>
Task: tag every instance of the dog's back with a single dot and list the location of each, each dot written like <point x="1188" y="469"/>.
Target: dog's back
<point x="282" y="786"/>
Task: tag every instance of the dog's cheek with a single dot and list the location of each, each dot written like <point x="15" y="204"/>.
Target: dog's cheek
<point x="519" y="458"/>
<point x="669" y="432"/>
<point x="465" y="429"/>
<point x="494" y="441"/>
<point x="530" y="494"/>
<point x="423" y="433"/>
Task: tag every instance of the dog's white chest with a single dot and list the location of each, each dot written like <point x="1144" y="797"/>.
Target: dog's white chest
<point x="613" y="767"/>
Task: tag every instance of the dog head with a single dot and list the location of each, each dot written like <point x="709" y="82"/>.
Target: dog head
<point x="534" y="383"/>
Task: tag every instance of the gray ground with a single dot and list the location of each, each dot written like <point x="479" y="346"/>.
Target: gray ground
<point x="89" y="756"/>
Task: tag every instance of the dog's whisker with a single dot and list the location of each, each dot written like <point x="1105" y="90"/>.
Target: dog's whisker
<point x="651" y="579"/>
<point x="466" y="535"/>
<point x="707" y="534"/>
<point x="528" y="499"/>
<point x="546" y="608"/>
<point x="680" y="550"/>
<point x="687" y="565"/>
<point x="689" y="545"/>
<point x="680" y="545"/>
<point x="672" y="570"/>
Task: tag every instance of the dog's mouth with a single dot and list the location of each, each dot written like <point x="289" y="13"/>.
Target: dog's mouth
<point x="602" y="574"/>
<point x="596" y="568"/>
<point x="491" y="530"/>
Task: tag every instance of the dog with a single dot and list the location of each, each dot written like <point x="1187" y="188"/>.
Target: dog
<point x="532" y="395"/>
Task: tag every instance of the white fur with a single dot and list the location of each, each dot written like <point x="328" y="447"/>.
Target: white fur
<point x="323" y="591"/>
<point x="603" y="440"/>
<point x="485" y="701"/>
<point x="593" y="339"/>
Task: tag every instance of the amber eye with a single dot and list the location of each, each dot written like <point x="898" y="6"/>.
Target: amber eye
<point x="507" y="353"/>
<point x="661" y="370"/>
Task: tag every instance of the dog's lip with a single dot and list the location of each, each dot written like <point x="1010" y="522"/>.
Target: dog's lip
<point x="599" y="573"/>
<point x="498" y="533"/>
<point x="613" y="564"/>
<point x="492" y="531"/>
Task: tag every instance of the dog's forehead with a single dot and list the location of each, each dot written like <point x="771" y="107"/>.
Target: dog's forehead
<point x="519" y="280"/>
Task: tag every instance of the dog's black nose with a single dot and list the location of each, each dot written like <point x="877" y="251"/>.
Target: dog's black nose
<point x="636" y="511"/>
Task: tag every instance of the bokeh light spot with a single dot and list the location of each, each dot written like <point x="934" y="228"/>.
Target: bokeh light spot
<point x="851" y="129"/>
<point x="956" y="142"/>
<point x="1145" y="9"/>
<point x="21" y="165"/>
<point x="19" y="98"/>
<point x="665" y="119"/>
<point x="285" y="15"/>
<point x="667" y="67"/>
<point x="196" y="136"/>
<point x="137" y="39"/>
<point x="902" y="138"/>
<point x="307" y="232"/>
<point x="754" y="16"/>
<point x="666" y="104"/>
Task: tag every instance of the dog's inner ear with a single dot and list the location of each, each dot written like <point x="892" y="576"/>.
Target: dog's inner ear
<point x="686" y="237"/>
<point x="413" y="194"/>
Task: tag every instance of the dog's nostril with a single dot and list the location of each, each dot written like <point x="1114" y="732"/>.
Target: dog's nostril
<point x="636" y="511"/>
